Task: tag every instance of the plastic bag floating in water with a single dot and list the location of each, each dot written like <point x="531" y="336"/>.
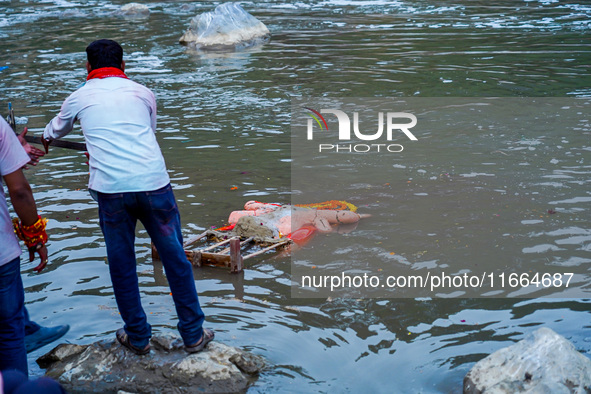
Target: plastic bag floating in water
<point x="229" y="27"/>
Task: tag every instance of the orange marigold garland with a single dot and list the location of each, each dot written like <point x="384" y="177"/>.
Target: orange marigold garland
<point x="32" y="235"/>
<point x="332" y="204"/>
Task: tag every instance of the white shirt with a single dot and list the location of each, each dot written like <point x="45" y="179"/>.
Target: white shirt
<point x="118" y="119"/>
<point x="12" y="158"/>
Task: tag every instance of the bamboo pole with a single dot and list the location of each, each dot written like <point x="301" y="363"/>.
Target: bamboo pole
<point x="266" y="249"/>
<point x="216" y="245"/>
<point x="194" y="239"/>
<point x="247" y="240"/>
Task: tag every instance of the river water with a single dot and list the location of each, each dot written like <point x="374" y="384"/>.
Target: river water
<point x="224" y="128"/>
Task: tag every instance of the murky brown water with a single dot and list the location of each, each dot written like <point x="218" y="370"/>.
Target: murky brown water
<point x="224" y="128"/>
<point x="493" y="187"/>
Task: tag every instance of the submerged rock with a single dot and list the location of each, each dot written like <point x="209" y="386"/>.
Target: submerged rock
<point x="135" y="9"/>
<point x="229" y="27"/>
<point x="543" y="362"/>
<point x="108" y="367"/>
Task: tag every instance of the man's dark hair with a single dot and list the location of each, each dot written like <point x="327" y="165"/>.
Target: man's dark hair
<point x="104" y="53"/>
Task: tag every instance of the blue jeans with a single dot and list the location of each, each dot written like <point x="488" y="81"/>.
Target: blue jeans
<point x="17" y="383"/>
<point x="30" y="326"/>
<point x="12" y="318"/>
<point x="158" y="212"/>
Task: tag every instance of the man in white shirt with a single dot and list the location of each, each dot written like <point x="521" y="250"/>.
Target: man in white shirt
<point x="31" y="228"/>
<point x="128" y="176"/>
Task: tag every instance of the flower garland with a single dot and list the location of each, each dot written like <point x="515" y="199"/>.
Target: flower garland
<point x="32" y="235"/>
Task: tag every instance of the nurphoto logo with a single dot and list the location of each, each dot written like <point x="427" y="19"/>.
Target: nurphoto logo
<point x="318" y="122"/>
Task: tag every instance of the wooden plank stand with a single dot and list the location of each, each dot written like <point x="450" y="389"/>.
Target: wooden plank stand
<point x="228" y="257"/>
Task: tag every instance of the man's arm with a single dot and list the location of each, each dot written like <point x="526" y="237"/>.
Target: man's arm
<point x="34" y="153"/>
<point x="153" y="110"/>
<point x="24" y="205"/>
<point x="62" y="124"/>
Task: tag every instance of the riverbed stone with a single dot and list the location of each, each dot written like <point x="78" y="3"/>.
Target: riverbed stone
<point x="544" y="362"/>
<point x="107" y="367"/>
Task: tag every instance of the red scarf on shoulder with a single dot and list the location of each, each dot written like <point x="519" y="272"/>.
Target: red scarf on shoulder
<point x="106" y="72"/>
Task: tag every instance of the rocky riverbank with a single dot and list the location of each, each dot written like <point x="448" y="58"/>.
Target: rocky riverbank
<point x="108" y="367"/>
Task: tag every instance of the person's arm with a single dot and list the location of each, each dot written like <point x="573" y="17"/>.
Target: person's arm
<point x="21" y="196"/>
<point x="62" y="124"/>
<point x="153" y="111"/>
<point x="24" y="205"/>
<point x="34" y="153"/>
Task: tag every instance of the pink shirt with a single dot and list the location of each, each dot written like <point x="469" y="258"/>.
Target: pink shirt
<point x="12" y="158"/>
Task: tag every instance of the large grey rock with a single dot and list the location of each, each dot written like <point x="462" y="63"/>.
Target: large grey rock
<point x="108" y="367"/>
<point x="229" y="27"/>
<point x="543" y="362"/>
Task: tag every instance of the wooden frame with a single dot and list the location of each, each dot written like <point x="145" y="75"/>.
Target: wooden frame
<point x="229" y="257"/>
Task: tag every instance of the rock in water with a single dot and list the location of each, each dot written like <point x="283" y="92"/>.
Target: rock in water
<point x="135" y="9"/>
<point x="106" y="366"/>
<point x="543" y="362"/>
<point x="229" y="27"/>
